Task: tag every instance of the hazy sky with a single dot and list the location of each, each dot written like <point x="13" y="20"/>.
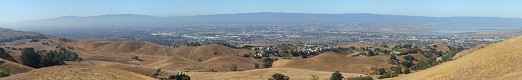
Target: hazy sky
<point x="20" y="10"/>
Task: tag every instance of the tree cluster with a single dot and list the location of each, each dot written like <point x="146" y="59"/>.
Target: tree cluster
<point x="35" y="59"/>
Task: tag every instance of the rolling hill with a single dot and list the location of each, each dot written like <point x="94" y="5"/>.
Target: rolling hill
<point x="8" y="35"/>
<point x="500" y="61"/>
<point x="207" y="51"/>
<point x="334" y="62"/>
<point x="13" y="68"/>
<point x="78" y="73"/>
<point x="263" y="74"/>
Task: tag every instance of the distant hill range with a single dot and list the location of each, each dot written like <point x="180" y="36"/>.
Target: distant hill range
<point x="261" y="18"/>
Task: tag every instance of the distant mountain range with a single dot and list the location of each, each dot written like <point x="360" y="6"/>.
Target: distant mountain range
<point x="260" y="18"/>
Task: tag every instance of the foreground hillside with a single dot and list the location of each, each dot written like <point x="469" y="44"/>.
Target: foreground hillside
<point x="500" y="61"/>
<point x="13" y="68"/>
<point x="263" y="74"/>
<point x="77" y="73"/>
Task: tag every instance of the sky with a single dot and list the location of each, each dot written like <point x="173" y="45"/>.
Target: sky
<point x="23" y="10"/>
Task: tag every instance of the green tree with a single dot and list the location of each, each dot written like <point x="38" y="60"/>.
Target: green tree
<point x="407" y="71"/>
<point x="179" y="76"/>
<point x="278" y="76"/>
<point x="336" y="76"/>
<point x="30" y="58"/>
<point x="407" y="64"/>
<point x="50" y="59"/>
<point x="409" y="58"/>
<point x="371" y="53"/>
<point x="379" y="71"/>
<point x="6" y="56"/>
<point x="392" y="57"/>
<point x="360" y="78"/>
<point x="72" y="57"/>
<point x="267" y="62"/>
<point x="4" y="74"/>
<point x="396" y="69"/>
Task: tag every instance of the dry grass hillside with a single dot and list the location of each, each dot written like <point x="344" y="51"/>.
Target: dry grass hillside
<point x="13" y="68"/>
<point x="220" y="63"/>
<point x="263" y="74"/>
<point x="467" y="51"/>
<point x="441" y="47"/>
<point x="9" y="33"/>
<point x="144" y="70"/>
<point x="174" y="63"/>
<point x="147" y="48"/>
<point x="500" y="61"/>
<point x="207" y="51"/>
<point x="224" y="63"/>
<point x="133" y="47"/>
<point x="334" y="62"/>
<point x="78" y="73"/>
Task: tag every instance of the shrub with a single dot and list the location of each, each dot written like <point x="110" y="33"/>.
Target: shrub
<point x="360" y="78"/>
<point x="267" y="62"/>
<point x="407" y="64"/>
<point x="135" y="58"/>
<point x="392" y="57"/>
<point x="407" y="71"/>
<point x="387" y="75"/>
<point x="233" y="67"/>
<point x="396" y="69"/>
<point x="409" y="58"/>
<point x="379" y="71"/>
<point x="256" y="65"/>
<point x="6" y="56"/>
<point x="425" y="64"/>
<point x="278" y="76"/>
<point x="314" y="77"/>
<point x="336" y="76"/>
<point x="4" y="74"/>
<point x="179" y="76"/>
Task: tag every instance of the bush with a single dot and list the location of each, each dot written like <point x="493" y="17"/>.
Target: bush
<point x="233" y="67"/>
<point x="396" y="69"/>
<point x="387" y="75"/>
<point x="407" y="64"/>
<point x="6" y="56"/>
<point x="278" y="76"/>
<point x="409" y="58"/>
<point x="135" y="58"/>
<point x="267" y="62"/>
<point x="379" y="71"/>
<point x="179" y="76"/>
<point x="4" y="74"/>
<point x="392" y="57"/>
<point x="30" y="58"/>
<point x="425" y="64"/>
<point x="360" y="78"/>
<point x="407" y="71"/>
<point x="336" y="76"/>
<point x="314" y="77"/>
<point x="256" y="65"/>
